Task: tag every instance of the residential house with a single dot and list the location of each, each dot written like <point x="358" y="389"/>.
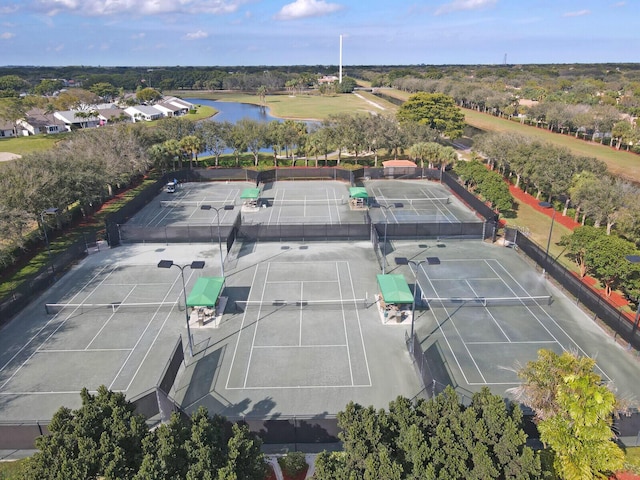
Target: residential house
<point x="143" y="112"/>
<point x="77" y="119"/>
<point x="112" y="115"/>
<point x="37" y="121"/>
<point x="6" y="129"/>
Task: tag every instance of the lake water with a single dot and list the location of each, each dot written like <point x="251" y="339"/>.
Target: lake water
<point x="232" y="112"/>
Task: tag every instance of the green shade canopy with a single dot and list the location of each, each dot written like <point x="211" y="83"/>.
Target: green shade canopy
<point x="394" y="289"/>
<point x="358" y="192"/>
<point x="250" y="194"/>
<point x="205" y="292"/>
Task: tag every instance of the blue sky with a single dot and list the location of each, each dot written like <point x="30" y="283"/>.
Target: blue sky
<point x="307" y="32"/>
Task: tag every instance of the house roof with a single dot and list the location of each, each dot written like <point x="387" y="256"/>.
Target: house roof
<point x="109" y="113"/>
<point x="398" y="163"/>
<point x="70" y="116"/>
<point x="144" y="109"/>
<point x="37" y="117"/>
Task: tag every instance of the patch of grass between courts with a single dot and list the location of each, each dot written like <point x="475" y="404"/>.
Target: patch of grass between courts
<point x="11" y="470"/>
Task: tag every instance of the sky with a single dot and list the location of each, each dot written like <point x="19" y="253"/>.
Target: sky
<point x="307" y="32"/>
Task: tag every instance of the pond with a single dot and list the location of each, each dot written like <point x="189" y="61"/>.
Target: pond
<point x="232" y="111"/>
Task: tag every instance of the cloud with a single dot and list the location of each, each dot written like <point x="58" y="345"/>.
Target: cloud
<point x="96" y="8"/>
<point x="579" y="13"/>
<point x="196" y="35"/>
<point x="307" y="8"/>
<point x="457" y="5"/>
<point x="7" y="35"/>
<point x="138" y="36"/>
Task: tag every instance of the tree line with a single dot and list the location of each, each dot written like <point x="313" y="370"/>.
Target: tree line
<point x="422" y="438"/>
<point x="582" y="188"/>
<point x="86" y="166"/>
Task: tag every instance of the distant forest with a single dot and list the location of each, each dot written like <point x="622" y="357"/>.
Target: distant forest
<point x="614" y="84"/>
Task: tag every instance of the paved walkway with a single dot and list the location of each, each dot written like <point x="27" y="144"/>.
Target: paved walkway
<point x="273" y="461"/>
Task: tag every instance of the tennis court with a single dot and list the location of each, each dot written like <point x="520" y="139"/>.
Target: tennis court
<point x="112" y="320"/>
<point x="416" y="201"/>
<point x="489" y="313"/>
<point x="300" y="336"/>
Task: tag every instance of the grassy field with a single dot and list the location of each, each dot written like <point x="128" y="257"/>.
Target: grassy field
<point x="621" y="163"/>
<point x="298" y="107"/>
<point x="36" y="143"/>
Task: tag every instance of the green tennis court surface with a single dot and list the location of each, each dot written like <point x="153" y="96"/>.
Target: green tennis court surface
<point x="299" y="334"/>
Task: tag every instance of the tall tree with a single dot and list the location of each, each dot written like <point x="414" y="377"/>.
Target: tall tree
<point x="436" y="110"/>
<point x="574" y="412"/>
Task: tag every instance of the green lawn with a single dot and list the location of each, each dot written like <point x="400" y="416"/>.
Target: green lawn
<point x="35" y="143"/>
<point x="299" y="107"/>
<point x="619" y="162"/>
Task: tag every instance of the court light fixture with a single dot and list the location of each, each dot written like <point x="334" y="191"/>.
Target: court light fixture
<point x="48" y="211"/>
<point x="218" y="209"/>
<point x="375" y="204"/>
<point x="553" y="219"/>
<point x="635" y="259"/>
<point x="195" y="265"/>
<point x="406" y="261"/>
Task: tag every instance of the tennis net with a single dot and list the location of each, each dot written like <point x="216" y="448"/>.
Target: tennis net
<point x="535" y="301"/>
<point x="54" y="308"/>
<point x="338" y="304"/>
<point x="275" y="202"/>
<point x="190" y="203"/>
<point x="417" y="203"/>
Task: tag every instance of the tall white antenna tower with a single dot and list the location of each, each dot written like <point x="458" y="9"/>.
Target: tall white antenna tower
<point x="340" y="74"/>
<point x="504" y="62"/>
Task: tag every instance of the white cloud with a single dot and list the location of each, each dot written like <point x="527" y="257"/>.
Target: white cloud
<point x="138" y="36"/>
<point x="579" y="13"/>
<point x="95" y="8"/>
<point x="7" y="35"/>
<point x="307" y="8"/>
<point x="457" y="5"/>
<point x="196" y="35"/>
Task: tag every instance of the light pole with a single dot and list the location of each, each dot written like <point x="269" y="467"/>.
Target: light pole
<point x="195" y="265"/>
<point x="224" y="207"/>
<point x="553" y="218"/>
<point x="406" y="261"/>
<point x="635" y="259"/>
<point x="48" y="211"/>
<point x="386" y="222"/>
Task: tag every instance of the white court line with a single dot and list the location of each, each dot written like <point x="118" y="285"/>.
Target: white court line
<point x="475" y="294"/>
<point x="56" y="329"/>
<point x="344" y="324"/>
<point x="524" y="342"/>
<point x="364" y="350"/>
<point x="255" y="330"/>
<point x="552" y="320"/>
<point x="326" y="191"/>
<point x="83" y="350"/>
<point x="266" y="347"/>
<point x="257" y="347"/>
<point x="166" y="319"/>
<point x="108" y="320"/>
<point x="300" y="316"/>
<point x="294" y="387"/>
<point x="444" y="335"/>
<point x="53" y="392"/>
<point x="47" y="324"/>
<point x="244" y="316"/>
<point x="133" y="349"/>
<point x="441" y="207"/>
